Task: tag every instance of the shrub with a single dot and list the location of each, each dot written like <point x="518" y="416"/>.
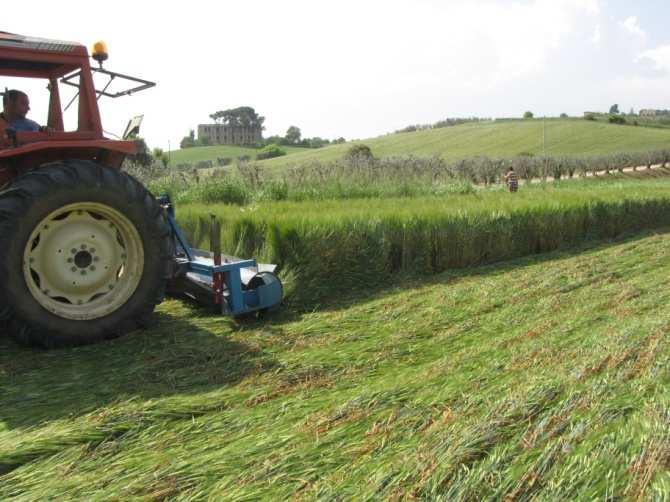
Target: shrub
<point x="617" y="119"/>
<point x="525" y="167"/>
<point x="204" y="164"/>
<point x="224" y="191"/>
<point x="273" y="191"/>
<point x="528" y="115"/>
<point x="270" y="152"/>
<point x="359" y="151"/>
<point x="589" y="116"/>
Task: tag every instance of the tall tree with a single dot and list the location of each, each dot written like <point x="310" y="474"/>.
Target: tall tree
<point x="242" y="116"/>
<point x="614" y="109"/>
<point x="293" y="135"/>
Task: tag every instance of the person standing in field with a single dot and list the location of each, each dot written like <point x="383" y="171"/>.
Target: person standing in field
<point x="512" y="180"/>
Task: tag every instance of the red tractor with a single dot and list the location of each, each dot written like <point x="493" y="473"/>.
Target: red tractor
<point x="86" y="250"/>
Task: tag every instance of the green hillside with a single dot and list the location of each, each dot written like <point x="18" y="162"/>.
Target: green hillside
<point x="504" y="138"/>
<point x="543" y="378"/>
<point x="198" y="153"/>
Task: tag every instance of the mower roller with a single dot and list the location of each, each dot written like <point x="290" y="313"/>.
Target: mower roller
<point x="88" y="252"/>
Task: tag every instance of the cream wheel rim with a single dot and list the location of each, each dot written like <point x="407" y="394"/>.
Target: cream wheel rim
<point x="83" y="261"/>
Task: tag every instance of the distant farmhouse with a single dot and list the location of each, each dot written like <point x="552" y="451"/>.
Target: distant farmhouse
<point x="224" y="134"/>
<point x="643" y="113"/>
<point x="235" y="126"/>
<point x="654" y="113"/>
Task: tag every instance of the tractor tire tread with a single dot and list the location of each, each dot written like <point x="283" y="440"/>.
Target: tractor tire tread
<point x="66" y="175"/>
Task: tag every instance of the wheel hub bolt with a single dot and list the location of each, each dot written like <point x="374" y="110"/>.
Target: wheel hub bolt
<point x="74" y="269"/>
<point x="70" y="260"/>
<point x="83" y="246"/>
<point x="73" y="251"/>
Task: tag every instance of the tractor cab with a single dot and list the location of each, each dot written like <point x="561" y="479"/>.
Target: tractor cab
<point x="60" y="63"/>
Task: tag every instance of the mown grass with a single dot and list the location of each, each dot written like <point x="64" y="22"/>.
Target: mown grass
<point x="499" y="139"/>
<point x="332" y="245"/>
<point x="545" y="377"/>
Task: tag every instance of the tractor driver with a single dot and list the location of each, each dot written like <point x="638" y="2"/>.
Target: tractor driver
<point x="16" y="106"/>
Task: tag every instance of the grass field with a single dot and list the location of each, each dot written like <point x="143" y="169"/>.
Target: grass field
<point x="503" y="138"/>
<point x="198" y="153"/>
<point x="390" y="372"/>
<point x="509" y="138"/>
<point x="541" y="378"/>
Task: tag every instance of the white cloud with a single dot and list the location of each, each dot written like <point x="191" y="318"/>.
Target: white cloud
<point x="491" y="43"/>
<point x="632" y="25"/>
<point x="659" y="57"/>
<point x="597" y="35"/>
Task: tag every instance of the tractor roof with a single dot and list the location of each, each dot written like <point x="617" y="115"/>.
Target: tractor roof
<point x="37" y="44"/>
<point x="38" y="57"/>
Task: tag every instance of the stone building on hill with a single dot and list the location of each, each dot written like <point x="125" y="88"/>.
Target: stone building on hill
<point x="223" y="134"/>
<point x="654" y="113"/>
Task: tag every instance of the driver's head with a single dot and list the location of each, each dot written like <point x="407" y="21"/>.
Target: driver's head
<point x="16" y="104"/>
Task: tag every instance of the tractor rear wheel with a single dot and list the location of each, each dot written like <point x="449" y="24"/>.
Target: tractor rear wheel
<point x="86" y="253"/>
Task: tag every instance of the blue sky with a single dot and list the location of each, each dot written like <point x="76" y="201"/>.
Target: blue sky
<point x="652" y="14"/>
<point x="357" y="68"/>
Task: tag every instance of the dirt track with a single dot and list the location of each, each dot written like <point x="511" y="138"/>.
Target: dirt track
<point x="655" y="171"/>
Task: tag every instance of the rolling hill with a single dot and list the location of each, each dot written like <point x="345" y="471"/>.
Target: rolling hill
<point x="503" y="138"/>
<point x="500" y="138"/>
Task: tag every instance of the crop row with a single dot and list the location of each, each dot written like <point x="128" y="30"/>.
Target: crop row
<point x="355" y="177"/>
<point x="331" y="245"/>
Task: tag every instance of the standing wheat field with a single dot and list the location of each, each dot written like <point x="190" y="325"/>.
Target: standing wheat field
<point x="323" y="246"/>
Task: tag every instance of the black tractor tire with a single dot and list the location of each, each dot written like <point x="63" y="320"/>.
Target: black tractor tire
<point x="37" y="194"/>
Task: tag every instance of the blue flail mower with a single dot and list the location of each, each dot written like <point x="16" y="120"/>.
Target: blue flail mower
<point x="234" y="285"/>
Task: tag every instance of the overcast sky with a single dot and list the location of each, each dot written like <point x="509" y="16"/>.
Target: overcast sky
<point x="366" y="67"/>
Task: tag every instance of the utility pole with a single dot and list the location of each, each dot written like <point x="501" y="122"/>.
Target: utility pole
<point x="544" y="145"/>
